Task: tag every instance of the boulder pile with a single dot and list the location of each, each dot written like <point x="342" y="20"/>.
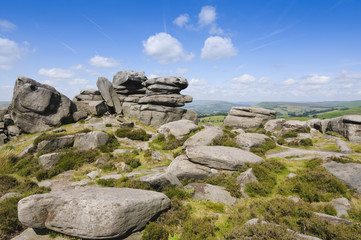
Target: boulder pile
<point x="248" y="117"/>
<point x="91" y="102"/>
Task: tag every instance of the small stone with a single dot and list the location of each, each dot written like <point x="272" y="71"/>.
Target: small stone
<point x="48" y="161"/>
<point x="93" y="174"/>
<point x="341" y="205"/>
<point x="291" y="175"/>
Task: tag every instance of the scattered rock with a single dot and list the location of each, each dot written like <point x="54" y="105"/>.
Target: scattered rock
<point x="294" y="199"/>
<point x="333" y="219"/>
<point x="205" y="137"/>
<point x="342" y="205"/>
<point x="274" y="125"/>
<point x="13" y="131"/>
<point x="92" y="213"/>
<point x="294" y="125"/>
<point x="160" y="180"/>
<point x="349" y="173"/>
<point x="244" y="178"/>
<point x="220" y="157"/>
<point x="238" y="131"/>
<point x="101" y="161"/>
<point x="247" y="141"/>
<point x="37" y="107"/>
<point x="56" y="143"/>
<point x="121" y="151"/>
<point x="49" y="160"/>
<point x="157" y="156"/>
<point x="91" y="140"/>
<point x="9" y="195"/>
<point x="208" y="192"/>
<point x="178" y="128"/>
<point x="181" y="167"/>
<point x="79" y="115"/>
<point x="291" y="175"/>
<point x="248" y="117"/>
<point x="93" y="175"/>
<point x="3" y="111"/>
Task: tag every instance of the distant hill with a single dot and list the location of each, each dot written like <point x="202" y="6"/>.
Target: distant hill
<point x="4" y="103"/>
<point x="212" y="107"/>
<point x="313" y="109"/>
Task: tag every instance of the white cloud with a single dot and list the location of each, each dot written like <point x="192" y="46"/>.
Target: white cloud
<point x="216" y="48"/>
<point x="181" y="70"/>
<point x="103" y="62"/>
<point x="348" y="77"/>
<point x="263" y="79"/>
<point x="6" y="26"/>
<point x="48" y="82"/>
<point x="78" y="81"/>
<point x="197" y="82"/>
<point x="78" y="67"/>
<point x="207" y="15"/>
<point x="316" y="79"/>
<point x="245" y="78"/>
<point x="165" y="49"/>
<point x="10" y="53"/>
<point x="181" y="20"/>
<point x="56" y="73"/>
<point x="290" y="81"/>
<point x="152" y="76"/>
<point x="216" y="30"/>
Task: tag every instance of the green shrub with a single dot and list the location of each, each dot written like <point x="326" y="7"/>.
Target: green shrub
<point x="129" y="159"/>
<point x="176" y="192"/>
<point x="262" y="149"/>
<point x="155" y="231"/>
<point x="281" y="141"/>
<point x="73" y="160"/>
<point x="136" y="134"/>
<point x="6" y="183"/>
<point x="198" y="229"/>
<point x="215" y="207"/>
<point x="108" y="167"/>
<point x="306" y="142"/>
<point x="132" y="183"/>
<point x="26" y="166"/>
<point x="106" y="182"/>
<point x="123" y="132"/>
<point x="108" y="125"/>
<point x="111" y="145"/>
<point x="172" y="143"/>
<point x="290" y="134"/>
<point x="163" y="143"/>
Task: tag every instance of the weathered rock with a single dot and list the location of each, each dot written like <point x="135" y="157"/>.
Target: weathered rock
<point x="3" y="111"/>
<point x="56" y="143"/>
<point x="178" y="128"/>
<point x="31" y="234"/>
<point x="291" y="175"/>
<point x="156" y="115"/>
<point x="274" y="125"/>
<point x="157" y="156"/>
<point x="13" y="130"/>
<point x="109" y="95"/>
<point x="101" y="161"/>
<point x="93" y="174"/>
<point x="90" y="92"/>
<point x="208" y="192"/>
<point x="238" y="131"/>
<point x="49" y="160"/>
<point x="178" y="82"/>
<point x="160" y="180"/>
<point x="59" y="130"/>
<point x="247" y="141"/>
<point x="205" y="137"/>
<point x="91" y="140"/>
<point x="348" y="126"/>
<point x="97" y="108"/>
<point x="122" y="151"/>
<point x="172" y="100"/>
<point x="244" y="178"/>
<point x="87" y="97"/>
<point x="79" y="115"/>
<point x="9" y="195"/>
<point x="37" y="107"/>
<point x="3" y="138"/>
<point x="349" y="173"/>
<point x="92" y="213"/>
<point x="294" y="125"/>
<point x="342" y="205"/>
<point x="333" y="219"/>
<point x="124" y="77"/>
<point x="248" y="117"/>
<point x="220" y="157"/>
<point x="181" y="167"/>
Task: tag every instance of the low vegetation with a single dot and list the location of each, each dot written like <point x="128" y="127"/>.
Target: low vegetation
<point x="134" y="134"/>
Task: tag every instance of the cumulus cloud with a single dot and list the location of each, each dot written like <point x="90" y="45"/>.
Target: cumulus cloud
<point x="181" y="70"/>
<point x="216" y="48"/>
<point x="290" y="81"/>
<point x="316" y="79"/>
<point x="197" y="82"/>
<point x="10" y="53"/>
<point x="78" y="81"/>
<point x="103" y="62"/>
<point x="216" y="30"/>
<point x="181" y="20"/>
<point x="263" y="79"/>
<point x="165" y="49"/>
<point x="6" y="26"/>
<point x="56" y="73"/>
<point x="245" y="78"/>
<point x="207" y="15"/>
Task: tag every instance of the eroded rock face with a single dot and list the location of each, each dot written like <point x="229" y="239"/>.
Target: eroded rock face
<point x="37" y="107"/>
<point x="248" y="117"/>
<point x="220" y="157"/>
<point x="92" y="213"/>
<point x="348" y="126"/>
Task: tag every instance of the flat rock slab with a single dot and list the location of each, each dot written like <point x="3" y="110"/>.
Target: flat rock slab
<point x="178" y="128"/>
<point x="349" y="173"/>
<point x="247" y="141"/>
<point x="92" y="213"/>
<point x="220" y="157"/>
<point x="204" y="137"/>
<point x="208" y="192"/>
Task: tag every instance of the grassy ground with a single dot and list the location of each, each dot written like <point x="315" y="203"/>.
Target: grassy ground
<point x="216" y="120"/>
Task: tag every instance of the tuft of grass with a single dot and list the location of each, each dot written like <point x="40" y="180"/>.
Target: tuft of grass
<point x="111" y="145"/>
<point x="133" y="134"/>
<point x="227" y="139"/>
<point x="262" y="149"/>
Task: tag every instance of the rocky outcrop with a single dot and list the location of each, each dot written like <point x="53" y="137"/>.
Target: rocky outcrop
<point x="220" y="157"/>
<point x="178" y="128"/>
<point x="129" y="82"/>
<point x="92" y="213"/>
<point x="91" y="140"/>
<point x="91" y="102"/>
<point x="274" y="125"/>
<point x="37" y="107"/>
<point x="248" y="117"/>
<point x="348" y="126"/>
<point x="349" y="173"/>
<point x="247" y="141"/>
<point x="205" y="137"/>
<point x="109" y="95"/>
<point x="208" y="192"/>
<point x="181" y="167"/>
<point x="294" y="126"/>
<point x="161" y="180"/>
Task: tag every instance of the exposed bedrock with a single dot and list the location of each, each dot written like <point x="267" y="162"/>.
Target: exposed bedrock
<point x="248" y="117"/>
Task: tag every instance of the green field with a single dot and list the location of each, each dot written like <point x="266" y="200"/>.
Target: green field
<point x="216" y="120"/>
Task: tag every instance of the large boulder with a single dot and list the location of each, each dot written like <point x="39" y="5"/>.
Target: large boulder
<point x="248" y="117"/>
<point x="165" y="85"/>
<point x="348" y="126"/>
<point x="294" y="125"/>
<point x="247" y="141"/>
<point x="205" y="137"/>
<point x="274" y="125"/>
<point x="161" y="180"/>
<point x="349" y="173"/>
<point x="220" y="157"/>
<point x="129" y="82"/>
<point x="181" y="167"/>
<point x="208" y="192"/>
<point x="178" y="128"/>
<point x="92" y="213"/>
<point x="109" y="95"/>
<point x="91" y="140"/>
<point x="172" y="100"/>
<point x="37" y="107"/>
<point x="56" y="143"/>
<point x="156" y="115"/>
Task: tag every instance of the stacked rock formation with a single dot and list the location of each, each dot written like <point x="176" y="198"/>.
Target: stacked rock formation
<point x="37" y="107"/>
<point x="248" y="117"/>
<point x="91" y="102"/>
<point x="109" y="95"/>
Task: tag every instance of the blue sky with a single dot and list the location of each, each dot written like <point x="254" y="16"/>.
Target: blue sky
<point x="240" y="51"/>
